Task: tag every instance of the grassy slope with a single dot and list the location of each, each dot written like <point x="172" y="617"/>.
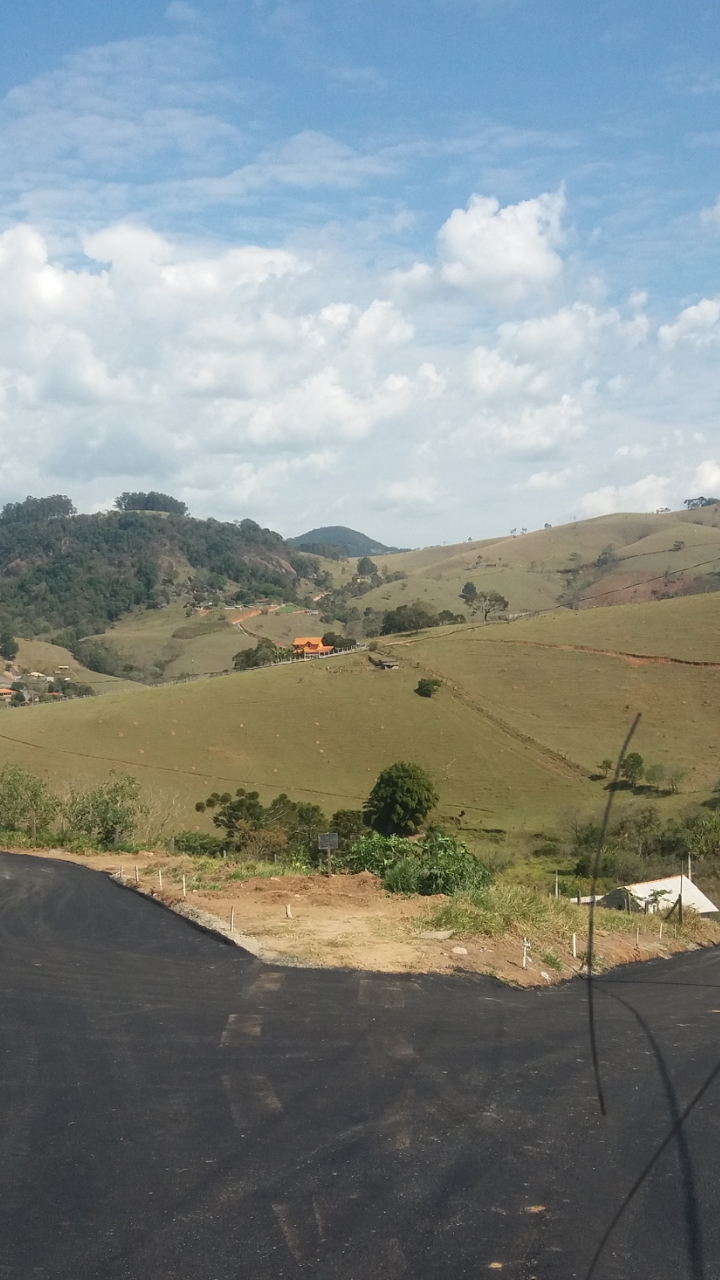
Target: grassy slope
<point x="321" y="731"/>
<point x="38" y="655"/>
<point x="525" y="569"/>
<point x="142" y="638"/>
<point x="582" y="703"/>
<point x="517" y="699"/>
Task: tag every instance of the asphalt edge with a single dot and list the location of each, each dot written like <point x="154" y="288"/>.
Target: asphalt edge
<point x="206" y="922"/>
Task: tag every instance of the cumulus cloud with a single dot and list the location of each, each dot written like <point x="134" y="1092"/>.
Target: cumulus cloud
<point x="502" y="253"/>
<point x="696" y="325"/>
<point x="707" y="478"/>
<point x="647" y="494"/>
<point x="254" y="374"/>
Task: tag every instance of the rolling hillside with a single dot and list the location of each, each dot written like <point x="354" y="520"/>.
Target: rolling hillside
<point x="525" y="714"/>
<point x="533" y="569"/>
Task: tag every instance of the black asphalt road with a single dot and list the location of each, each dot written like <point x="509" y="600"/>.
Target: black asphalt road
<point x="172" y="1109"/>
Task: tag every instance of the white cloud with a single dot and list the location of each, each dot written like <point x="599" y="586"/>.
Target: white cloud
<point x="633" y="451"/>
<point x="502" y="253"/>
<point x="549" y="479"/>
<point x="707" y="478"/>
<point x="696" y="325"/>
<point x="647" y="494"/>
<point x="537" y="429"/>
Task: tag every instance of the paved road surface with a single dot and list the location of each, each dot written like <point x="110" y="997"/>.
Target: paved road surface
<point x="172" y="1109"/>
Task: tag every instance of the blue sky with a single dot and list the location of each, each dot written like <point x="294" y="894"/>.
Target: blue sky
<point x="434" y="270"/>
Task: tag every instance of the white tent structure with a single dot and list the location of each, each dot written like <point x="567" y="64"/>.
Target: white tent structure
<point x="652" y="896"/>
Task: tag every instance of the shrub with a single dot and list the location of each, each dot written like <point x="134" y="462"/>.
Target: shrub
<point x="106" y="814"/>
<point x="426" y="686"/>
<point x="198" y="844"/>
<point x="26" y="802"/>
<point x="438" y="864"/>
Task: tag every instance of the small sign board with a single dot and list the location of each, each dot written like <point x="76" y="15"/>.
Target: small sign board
<point x="328" y="840"/>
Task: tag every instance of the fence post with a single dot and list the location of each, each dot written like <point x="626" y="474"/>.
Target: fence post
<point x="184" y="893"/>
<point x="137" y="876"/>
<point x="232" y="919"/>
<point x="160" y="877"/>
<point x="574" y="946"/>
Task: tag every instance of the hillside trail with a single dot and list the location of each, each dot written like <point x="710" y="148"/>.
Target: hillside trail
<point x="633" y="658"/>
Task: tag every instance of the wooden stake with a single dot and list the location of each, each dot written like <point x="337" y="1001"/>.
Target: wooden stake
<point x="288" y="912"/>
<point x="184" y="891"/>
<point x="637" y="937"/>
<point x="160" y="877"/>
<point x="232" y="919"/>
<point x="122" y="873"/>
<point x="574" y="946"/>
<point x="137" y="876"/>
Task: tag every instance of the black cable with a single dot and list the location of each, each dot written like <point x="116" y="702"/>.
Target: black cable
<point x="591" y="915"/>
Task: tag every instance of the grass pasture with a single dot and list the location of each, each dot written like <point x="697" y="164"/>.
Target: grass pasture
<point x="530" y="570"/>
<point x="523" y="718"/>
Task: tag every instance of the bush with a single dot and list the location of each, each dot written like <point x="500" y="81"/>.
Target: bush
<point x="198" y="844"/>
<point x="26" y="802"/>
<point x="426" y="687"/>
<point x="105" y="815"/>
<point x="438" y="864"/>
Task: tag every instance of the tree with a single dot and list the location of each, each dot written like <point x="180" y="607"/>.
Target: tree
<point x="489" y="602"/>
<point x="675" y="776"/>
<point x="366" y="568"/>
<point x="655" y="774"/>
<point x="469" y="593"/>
<point x="152" y="501"/>
<point x="8" y="643"/>
<point x="264" y="654"/>
<point x="349" y="825"/>
<point x="693" y="504"/>
<point x="633" y="767"/>
<point x="234" y="813"/>
<point x="401" y="799"/>
<point x="605" y="766"/>
<point x="606" y="558"/>
<point x="34" y="510"/>
<point x="408" y="617"/>
<point x="426" y="687"/>
<point x="336" y="641"/>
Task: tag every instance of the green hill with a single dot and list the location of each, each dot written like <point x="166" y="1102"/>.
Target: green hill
<point x="513" y="737"/>
<point x="336" y="540"/>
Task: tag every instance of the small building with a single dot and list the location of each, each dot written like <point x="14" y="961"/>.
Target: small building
<point x="310" y="647"/>
<point x="651" y="896"/>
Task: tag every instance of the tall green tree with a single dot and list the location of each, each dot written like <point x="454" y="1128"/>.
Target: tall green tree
<point x="151" y="501"/>
<point x="8" y="643"/>
<point x="401" y="799"/>
<point x="366" y="568"/>
<point x="633" y="768"/>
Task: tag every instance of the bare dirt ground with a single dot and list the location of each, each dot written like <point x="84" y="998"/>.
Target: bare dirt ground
<point x="349" y="922"/>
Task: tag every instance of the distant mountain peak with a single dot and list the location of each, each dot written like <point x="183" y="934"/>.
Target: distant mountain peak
<point x="334" y="540"/>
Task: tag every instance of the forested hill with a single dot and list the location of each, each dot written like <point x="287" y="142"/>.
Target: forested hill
<point x="75" y="574"/>
<point x="336" y="542"/>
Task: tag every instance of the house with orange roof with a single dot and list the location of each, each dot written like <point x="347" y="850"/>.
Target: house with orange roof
<point x="310" y="647"/>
